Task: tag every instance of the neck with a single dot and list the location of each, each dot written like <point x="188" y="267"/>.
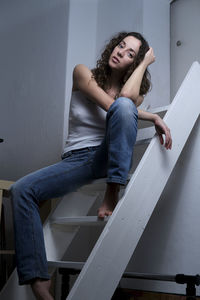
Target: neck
<point x="115" y="79"/>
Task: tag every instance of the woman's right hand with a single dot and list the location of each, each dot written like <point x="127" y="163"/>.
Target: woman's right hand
<point x="149" y="57"/>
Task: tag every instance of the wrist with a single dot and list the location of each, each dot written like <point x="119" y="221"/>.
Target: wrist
<point x="155" y="118"/>
<point x="144" y="63"/>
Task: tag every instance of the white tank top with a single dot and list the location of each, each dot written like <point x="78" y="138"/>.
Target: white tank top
<point x="86" y="123"/>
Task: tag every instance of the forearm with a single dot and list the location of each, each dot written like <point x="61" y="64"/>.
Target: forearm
<point x="131" y="88"/>
<point x="147" y="116"/>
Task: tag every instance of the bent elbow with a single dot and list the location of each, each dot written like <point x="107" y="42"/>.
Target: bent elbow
<point x="129" y="95"/>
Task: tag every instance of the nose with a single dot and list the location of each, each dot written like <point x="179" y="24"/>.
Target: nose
<point x="120" y="53"/>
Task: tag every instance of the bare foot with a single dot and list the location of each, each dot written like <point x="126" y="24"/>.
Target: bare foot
<point x="110" y="200"/>
<point x="41" y="289"/>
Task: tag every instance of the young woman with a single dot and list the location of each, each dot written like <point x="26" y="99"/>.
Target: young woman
<point x="102" y="132"/>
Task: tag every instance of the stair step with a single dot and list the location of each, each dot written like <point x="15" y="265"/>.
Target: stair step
<point x="76" y="265"/>
<point x="80" y="221"/>
<point x="159" y="109"/>
<point x="145" y="135"/>
<point x="143" y="141"/>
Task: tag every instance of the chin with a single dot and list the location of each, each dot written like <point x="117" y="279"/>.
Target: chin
<point x="113" y="66"/>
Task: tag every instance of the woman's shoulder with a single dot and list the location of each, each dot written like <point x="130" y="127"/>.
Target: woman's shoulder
<point x="81" y="75"/>
<point x="81" y="70"/>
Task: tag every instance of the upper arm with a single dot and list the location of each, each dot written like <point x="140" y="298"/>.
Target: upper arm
<point x="83" y="81"/>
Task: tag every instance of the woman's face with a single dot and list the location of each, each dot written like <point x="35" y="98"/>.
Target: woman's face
<point x="124" y="53"/>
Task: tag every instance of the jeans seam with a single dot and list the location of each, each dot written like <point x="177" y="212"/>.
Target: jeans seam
<point x="32" y="232"/>
<point x="116" y="180"/>
<point x="34" y="242"/>
<point x="40" y="180"/>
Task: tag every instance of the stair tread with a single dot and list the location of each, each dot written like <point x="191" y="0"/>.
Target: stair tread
<point x="79" y="220"/>
<point x="145" y="135"/>
<point x="66" y="264"/>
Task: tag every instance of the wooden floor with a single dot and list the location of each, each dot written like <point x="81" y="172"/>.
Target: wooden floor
<point x="141" y="295"/>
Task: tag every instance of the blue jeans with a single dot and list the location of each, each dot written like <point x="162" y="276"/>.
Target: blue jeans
<point x="112" y="159"/>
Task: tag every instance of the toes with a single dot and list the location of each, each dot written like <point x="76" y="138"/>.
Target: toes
<point x="108" y="213"/>
<point x="101" y="214"/>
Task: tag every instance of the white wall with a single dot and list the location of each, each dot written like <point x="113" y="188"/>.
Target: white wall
<point x="32" y="84"/>
<point x="115" y="16"/>
<point x="187" y="33"/>
<point x="81" y="43"/>
<point x="156" y="28"/>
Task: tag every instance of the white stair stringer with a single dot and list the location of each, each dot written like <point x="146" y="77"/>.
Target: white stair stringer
<point x="113" y="250"/>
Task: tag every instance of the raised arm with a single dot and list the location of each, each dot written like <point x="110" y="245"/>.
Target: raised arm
<point x="131" y="88"/>
<point x="83" y="81"/>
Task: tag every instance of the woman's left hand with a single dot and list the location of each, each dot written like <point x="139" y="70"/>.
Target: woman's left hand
<point x="149" y="57"/>
<point x="161" y="128"/>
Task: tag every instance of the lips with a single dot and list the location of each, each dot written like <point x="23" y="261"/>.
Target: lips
<point x="115" y="59"/>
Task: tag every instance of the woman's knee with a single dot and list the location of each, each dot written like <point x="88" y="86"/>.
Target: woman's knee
<point x="20" y="189"/>
<point x="125" y="108"/>
<point x="15" y="188"/>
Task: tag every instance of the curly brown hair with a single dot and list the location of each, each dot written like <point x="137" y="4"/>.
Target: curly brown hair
<point x="102" y="71"/>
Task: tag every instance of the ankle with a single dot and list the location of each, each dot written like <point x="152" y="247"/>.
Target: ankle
<point x="41" y="288"/>
<point x="113" y="187"/>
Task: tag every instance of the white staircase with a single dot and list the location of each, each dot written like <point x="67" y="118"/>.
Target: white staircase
<point x="105" y="265"/>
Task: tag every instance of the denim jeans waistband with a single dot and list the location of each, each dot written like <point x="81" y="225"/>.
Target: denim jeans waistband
<point x="68" y="153"/>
